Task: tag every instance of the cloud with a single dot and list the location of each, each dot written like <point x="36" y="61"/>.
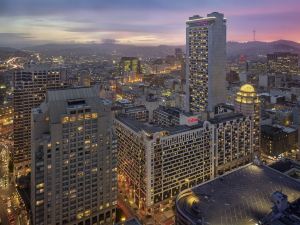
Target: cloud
<point x="149" y="22"/>
<point x="15" y="39"/>
<point x="15" y="35"/>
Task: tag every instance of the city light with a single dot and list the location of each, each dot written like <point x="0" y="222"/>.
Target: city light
<point x="149" y="114"/>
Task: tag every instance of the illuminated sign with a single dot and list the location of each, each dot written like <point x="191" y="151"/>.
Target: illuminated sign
<point x="192" y="120"/>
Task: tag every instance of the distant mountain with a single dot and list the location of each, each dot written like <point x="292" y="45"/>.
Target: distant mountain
<point x="6" y="52"/>
<point x="104" y="49"/>
<point x="251" y="50"/>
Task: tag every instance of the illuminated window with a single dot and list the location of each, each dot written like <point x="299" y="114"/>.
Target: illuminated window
<point x="41" y="185"/>
<point x="65" y="119"/>
<point x="87" y="116"/>
<point x="94" y="115"/>
<point x="87" y="213"/>
<point x="39" y="202"/>
<point x="79" y="216"/>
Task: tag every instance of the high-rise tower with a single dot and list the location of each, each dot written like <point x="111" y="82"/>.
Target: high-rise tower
<point x="205" y="62"/>
<point x="73" y="178"/>
<point x="30" y="85"/>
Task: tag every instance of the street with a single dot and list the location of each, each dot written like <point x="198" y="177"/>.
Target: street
<point x="11" y="211"/>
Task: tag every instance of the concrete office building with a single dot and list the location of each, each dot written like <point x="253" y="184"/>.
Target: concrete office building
<point x="139" y="112"/>
<point x="167" y="116"/>
<point x="205" y="62"/>
<point x="129" y="65"/>
<point x="73" y="179"/>
<point x="30" y="85"/>
<point x="283" y="63"/>
<point x="157" y="162"/>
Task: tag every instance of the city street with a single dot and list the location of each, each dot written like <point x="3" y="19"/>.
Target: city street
<point x="11" y="212"/>
<point x="4" y="187"/>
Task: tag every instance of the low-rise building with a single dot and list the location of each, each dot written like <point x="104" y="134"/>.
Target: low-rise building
<point x="276" y="139"/>
<point x="140" y="113"/>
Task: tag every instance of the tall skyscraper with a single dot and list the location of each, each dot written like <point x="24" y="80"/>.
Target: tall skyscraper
<point x="247" y="103"/>
<point x="30" y="85"/>
<point x="73" y="179"/>
<point x="205" y="62"/>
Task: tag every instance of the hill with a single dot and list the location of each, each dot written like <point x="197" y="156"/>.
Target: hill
<point x="251" y="50"/>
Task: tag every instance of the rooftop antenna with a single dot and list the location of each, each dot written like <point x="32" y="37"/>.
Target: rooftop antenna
<point x="254" y="35"/>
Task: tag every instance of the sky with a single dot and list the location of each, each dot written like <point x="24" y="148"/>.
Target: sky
<point x="140" y="22"/>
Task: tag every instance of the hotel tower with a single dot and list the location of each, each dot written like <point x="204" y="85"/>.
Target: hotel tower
<point x="206" y="62"/>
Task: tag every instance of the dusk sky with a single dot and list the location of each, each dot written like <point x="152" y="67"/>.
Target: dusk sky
<point x="140" y="22"/>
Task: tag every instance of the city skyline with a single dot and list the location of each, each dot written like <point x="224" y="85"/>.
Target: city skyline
<point x="140" y="23"/>
<point x="159" y="112"/>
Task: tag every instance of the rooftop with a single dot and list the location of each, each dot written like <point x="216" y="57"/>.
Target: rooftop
<point x="135" y="108"/>
<point x="138" y="126"/>
<point x="242" y="197"/>
<point x="276" y="130"/>
<point x="225" y="117"/>
<point x="285" y="165"/>
<point x="72" y="93"/>
<point x="173" y="111"/>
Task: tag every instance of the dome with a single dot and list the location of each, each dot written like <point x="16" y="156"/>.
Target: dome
<point x="247" y="88"/>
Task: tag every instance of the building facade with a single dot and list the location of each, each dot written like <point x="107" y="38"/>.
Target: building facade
<point x="158" y="162"/>
<point x="140" y="112"/>
<point x="248" y="103"/>
<point x="234" y="141"/>
<point x="155" y="164"/>
<point x="166" y="116"/>
<point x="73" y="179"/>
<point x="30" y="85"/>
<point x="205" y="62"/>
<point x="283" y="63"/>
<point x="276" y="140"/>
<point x="129" y="65"/>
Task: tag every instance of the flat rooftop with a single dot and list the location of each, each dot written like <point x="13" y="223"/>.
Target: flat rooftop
<point x="225" y="117"/>
<point x="242" y="197"/>
<point x="138" y="126"/>
<point x="173" y="111"/>
<point x="285" y="165"/>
